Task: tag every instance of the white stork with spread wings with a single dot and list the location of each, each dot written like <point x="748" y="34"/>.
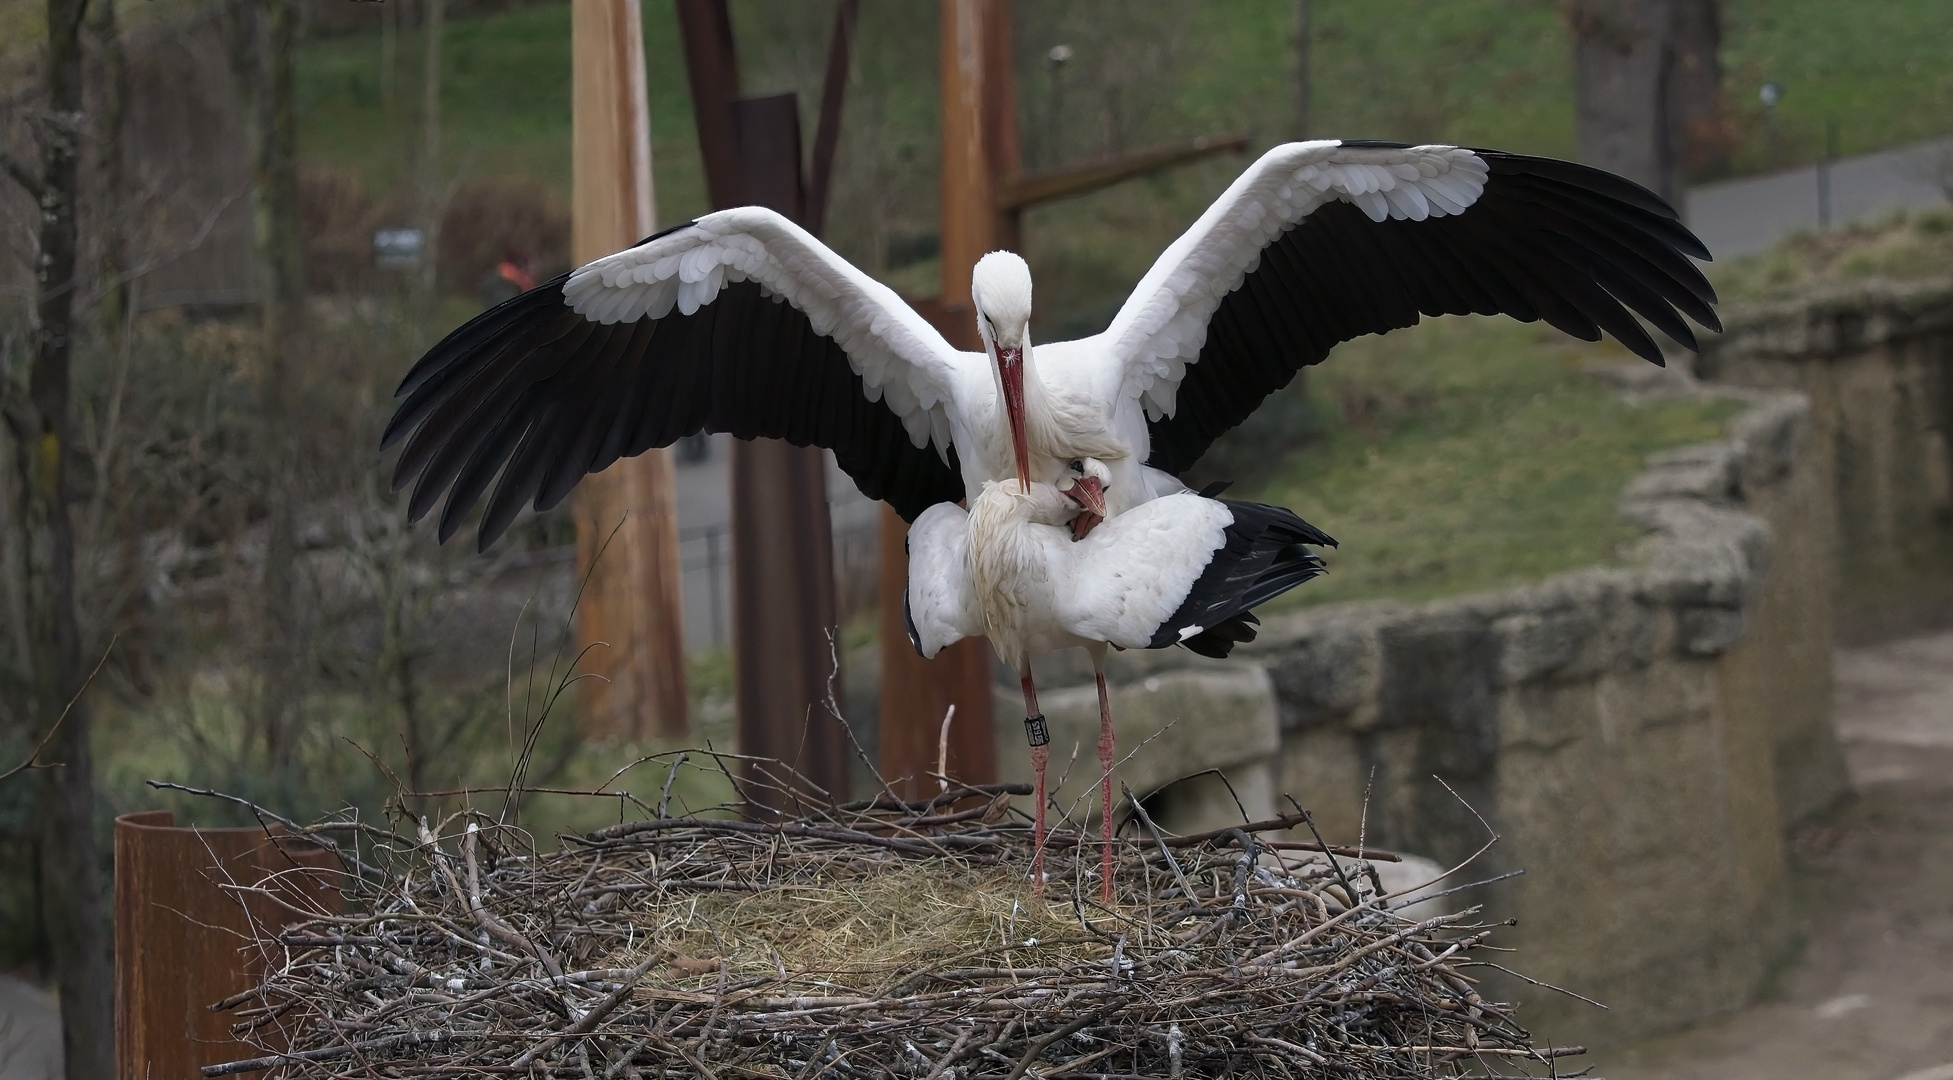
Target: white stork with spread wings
<point x="742" y="322"/>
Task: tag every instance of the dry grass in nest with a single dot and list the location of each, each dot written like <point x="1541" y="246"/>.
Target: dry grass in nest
<point x="879" y="940"/>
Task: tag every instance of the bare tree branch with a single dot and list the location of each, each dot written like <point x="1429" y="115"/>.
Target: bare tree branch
<point x="28" y="762"/>
<point x="21" y="173"/>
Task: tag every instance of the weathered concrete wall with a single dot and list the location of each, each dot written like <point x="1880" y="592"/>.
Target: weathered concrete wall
<point x="1876" y="361"/>
<point x="1639" y="737"/>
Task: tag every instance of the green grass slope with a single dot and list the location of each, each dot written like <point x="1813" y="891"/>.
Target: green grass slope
<point x="1492" y="72"/>
<point x="1469" y="454"/>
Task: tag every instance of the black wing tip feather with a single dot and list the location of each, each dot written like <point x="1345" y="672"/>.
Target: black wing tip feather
<point x="1265" y="554"/>
<point x="546" y="296"/>
<point x="1581" y="248"/>
<point x="458" y="344"/>
<point x="533" y="399"/>
<point x="1267" y="517"/>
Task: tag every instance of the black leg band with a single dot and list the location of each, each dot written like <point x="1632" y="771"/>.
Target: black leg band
<point x="1035" y="732"/>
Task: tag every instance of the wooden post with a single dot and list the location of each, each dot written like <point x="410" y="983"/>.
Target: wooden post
<point x="626" y="517"/>
<point x="979" y="132"/>
<point x="178" y="933"/>
<point x="784" y="610"/>
<point x="980" y="155"/>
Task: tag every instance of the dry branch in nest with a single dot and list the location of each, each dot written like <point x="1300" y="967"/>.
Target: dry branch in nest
<point x="881" y="940"/>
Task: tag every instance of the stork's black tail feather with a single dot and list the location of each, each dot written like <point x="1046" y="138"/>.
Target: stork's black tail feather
<point x="1264" y="556"/>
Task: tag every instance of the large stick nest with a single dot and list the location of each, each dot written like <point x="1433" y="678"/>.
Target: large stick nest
<point x="877" y="940"/>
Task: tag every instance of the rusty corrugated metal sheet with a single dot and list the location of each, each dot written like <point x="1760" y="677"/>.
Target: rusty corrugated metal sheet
<point x="183" y="933"/>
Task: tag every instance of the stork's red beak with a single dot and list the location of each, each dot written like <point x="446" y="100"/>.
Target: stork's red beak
<point x="1010" y="368"/>
<point x="1090" y="494"/>
<point x="1087" y="492"/>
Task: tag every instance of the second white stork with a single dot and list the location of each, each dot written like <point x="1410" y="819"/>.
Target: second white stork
<point x="1184" y="569"/>
<point x="742" y="322"/>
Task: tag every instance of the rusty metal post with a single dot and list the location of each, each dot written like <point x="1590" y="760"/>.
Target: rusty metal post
<point x="784" y="610"/>
<point x="626" y="516"/>
<point x="179" y="933"/>
<point x="917" y="693"/>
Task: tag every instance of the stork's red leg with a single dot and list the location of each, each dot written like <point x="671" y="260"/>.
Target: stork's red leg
<point x="1039" y="736"/>
<point x="1105" y="788"/>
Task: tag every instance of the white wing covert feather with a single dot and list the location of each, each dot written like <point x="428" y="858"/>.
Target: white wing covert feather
<point x="1135" y="570"/>
<point x="941" y="598"/>
<point x="1163" y="325"/>
<point x="900" y="357"/>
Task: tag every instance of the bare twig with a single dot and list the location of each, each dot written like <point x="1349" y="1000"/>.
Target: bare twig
<point x="22" y="175"/>
<point x="788" y="947"/>
<point x="28" y="762"/>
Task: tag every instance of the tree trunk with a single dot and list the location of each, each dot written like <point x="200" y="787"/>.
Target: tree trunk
<point x="1304" y="73"/>
<point x="627" y="515"/>
<point x="1621" y="60"/>
<point x="281" y="268"/>
<point x="70" y="885"/>
<point x="1647" y="87"/>
<point x="262" y="37"/>
<point x="113" y="95"/>
<point x="1695" y="90"/>
<point x="430" y="149"/>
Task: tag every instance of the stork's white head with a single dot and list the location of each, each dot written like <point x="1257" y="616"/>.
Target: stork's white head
<point x="1000" y="287"/>
<point x="1085" y="482"/>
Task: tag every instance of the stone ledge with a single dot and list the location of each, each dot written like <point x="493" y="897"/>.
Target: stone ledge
<point x="1171" y="725"/>
<point x="1692" y="575"/>
<point x="1831" y="321"/>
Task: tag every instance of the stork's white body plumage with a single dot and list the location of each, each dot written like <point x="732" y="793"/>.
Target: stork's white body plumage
<point x="1009" y="570"/>
<point x="1179" y="569"/>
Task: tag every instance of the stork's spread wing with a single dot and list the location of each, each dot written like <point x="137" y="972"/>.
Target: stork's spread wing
<point x="1185" y="569"/>
<point x="1321" y="242"/>
<point x="1264" y="556"/>
<point x="739" y="322"/>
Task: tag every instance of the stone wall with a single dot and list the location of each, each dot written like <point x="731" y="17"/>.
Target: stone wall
<point x="1639" y="737"/>
<point x="1876" y="361"/>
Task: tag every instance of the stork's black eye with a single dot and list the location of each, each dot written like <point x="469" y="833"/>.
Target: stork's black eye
<point x="1077" y="467"/>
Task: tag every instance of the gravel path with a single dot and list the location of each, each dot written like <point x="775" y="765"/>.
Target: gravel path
<point x="30" y="1032"/>
<point x="1872" y="998"/>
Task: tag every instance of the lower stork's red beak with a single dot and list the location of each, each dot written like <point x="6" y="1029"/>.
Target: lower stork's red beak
<point x="1089" y="494"/>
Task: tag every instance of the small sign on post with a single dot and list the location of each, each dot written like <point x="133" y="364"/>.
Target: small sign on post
<point x="399" y="249"/>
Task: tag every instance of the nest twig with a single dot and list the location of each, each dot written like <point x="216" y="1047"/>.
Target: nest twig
<point x="882" y="939"/>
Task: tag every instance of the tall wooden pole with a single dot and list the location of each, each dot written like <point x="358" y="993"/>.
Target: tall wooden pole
<point x="980" y="155"/>
<point x="626" y="518"/>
